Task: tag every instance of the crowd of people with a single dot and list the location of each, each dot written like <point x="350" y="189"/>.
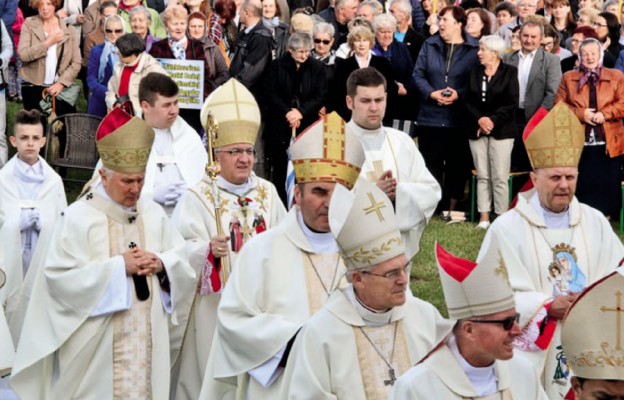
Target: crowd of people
<point x="257" y="244"/>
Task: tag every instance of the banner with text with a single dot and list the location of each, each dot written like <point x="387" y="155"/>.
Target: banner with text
<point x="189" y="75"/>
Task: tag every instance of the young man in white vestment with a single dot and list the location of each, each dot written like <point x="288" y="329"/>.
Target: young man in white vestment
<point x="476" y="361"/>
<point x="31" y="200"/>
<point x="96" y="326"/>
<point x="592" y="341"/>
<point x="178" y="157"/>
<point x="373" y="330"/>
<point x="285" y="275"/>
<point x="392" y="158"/>
<point x="562" y="245"/>
<point x="247" y="205"/>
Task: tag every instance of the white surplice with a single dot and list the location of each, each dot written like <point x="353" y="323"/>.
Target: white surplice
<point x="194" y="217"/>
<point x="332" y="359"/>
<point x="50" y="201"/>
<point x="80" y="321"/>
<point x="441" y="376"/>
<point x="598" y="252"/>
<point x="417" y="192"/>
<point x="271" y="293"/>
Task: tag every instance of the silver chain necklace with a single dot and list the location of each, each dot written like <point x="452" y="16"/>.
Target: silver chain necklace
<point x="391" y="374"/>
<point x="333" y="281"/>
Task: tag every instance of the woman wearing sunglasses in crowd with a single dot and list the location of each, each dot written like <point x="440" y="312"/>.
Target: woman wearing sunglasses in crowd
<point x="102" y="60"/>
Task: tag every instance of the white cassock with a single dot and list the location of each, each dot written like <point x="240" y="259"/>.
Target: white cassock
<point x="46" y="194"/>
<point x="417" y="193"/>
<point x="85" y="334"/>
<point x="446" y="375"/>
<point x="332" y="357"/>
<point x="178" y="154"/>
<point x="555" y="260"/>
<point x="7" y="350"/>
<point x="246" y="210"/>
<point x="280" y="279"/>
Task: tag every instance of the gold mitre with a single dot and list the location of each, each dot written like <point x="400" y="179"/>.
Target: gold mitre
<point x="555" y="138"/>
<point x="235" y="112"/>
<point x="124" y="142"/>
<point x="592" y="336"/>
<point x="364" y="225"/>
<point x="473" y="289"/>
<point x="328" y="151"/>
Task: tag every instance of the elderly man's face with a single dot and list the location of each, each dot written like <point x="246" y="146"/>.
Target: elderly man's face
<point x="124" y="189"/>
<point x="237" y="161"/>
<point x="555" y="186"/>
<point x="383" y="286"/>
<point x="598" y="389"/>
<point x="366" y="12"/>
<point x="530" y="38"/>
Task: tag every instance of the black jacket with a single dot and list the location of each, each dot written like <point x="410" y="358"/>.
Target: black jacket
<point x="251" y="57"/>
<point x="286" y="87"/>
<point x="500" y="104"/>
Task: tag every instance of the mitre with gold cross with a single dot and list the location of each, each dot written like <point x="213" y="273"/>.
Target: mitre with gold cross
<point x="592" y="332"/>
<point x="364" y="225"/>
<point x="475" y="289"/>
<point x="328" y="151"/>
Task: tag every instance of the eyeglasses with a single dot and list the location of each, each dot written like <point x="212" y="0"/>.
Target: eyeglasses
<point x="324" y="41"/>
<point x="507" y="323"/>
<point x="599" y="25"/>
<point x="116" y="31"/>
<point x="392" y="275"/>
<point x="238" y="152"/>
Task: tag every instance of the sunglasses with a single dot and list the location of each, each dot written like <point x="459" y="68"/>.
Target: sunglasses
<point x="116" y="31"/>
<point x="324" y="41"/>
<point x="507" y="323"/>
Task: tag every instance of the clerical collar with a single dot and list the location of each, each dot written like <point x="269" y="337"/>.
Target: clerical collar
<point x="552" y="220"/>
<point x="100" y="189"/>
<point x="239" y="190"/>
<point x="483" y="379"/>
<point x="371" y="317"/>
<point x="322" y="243"/>
<point x="371" y="139"/>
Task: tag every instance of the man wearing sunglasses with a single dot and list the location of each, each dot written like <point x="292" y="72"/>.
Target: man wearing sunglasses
<point x="592" y="338"/>
<point x="563" y="245"/>
<point x="373" y="330"/>
<point x="249" y="205"/>
<point x="477" y="361"/>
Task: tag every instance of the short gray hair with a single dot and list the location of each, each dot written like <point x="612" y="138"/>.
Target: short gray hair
<point x="300" y="40"/>
<point x="406" y="6"/>
<point x="609" y="3"/>
<point x="140" y="9"/>
<point x="324" y="27"/>
<point x="494" y="43"/>
<point x="373" y="4"/>
<point x="341" y="4"/>
<point x="384" y="20"/>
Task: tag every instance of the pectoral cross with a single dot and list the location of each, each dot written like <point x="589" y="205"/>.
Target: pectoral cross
<point x="374" y="207"/>
<point x="377" y="171"/>
<point x="618" y="318"/>
<point x="160" y="166"/>
<point x="390" y="382"/>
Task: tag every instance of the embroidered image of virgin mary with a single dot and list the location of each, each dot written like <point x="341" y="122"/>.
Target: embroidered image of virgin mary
<point x="576" y="280"/>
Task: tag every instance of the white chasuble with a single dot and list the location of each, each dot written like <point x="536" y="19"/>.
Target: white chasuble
<point x="377" y="376"/>
<point x="89" y="341"/>
<point x="321" y="271"/>
<point x="243" y="217"/>
<point x="333" y="359"/>
<point x="554" y="262"/>
<point x="441" y="376"/>
<point x="417" y="192"/>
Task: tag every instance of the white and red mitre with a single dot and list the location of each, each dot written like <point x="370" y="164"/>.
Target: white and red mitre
<point x="124" y="142"/>
<point x="474" y="289"/>
<point x="592" y="334"/>
<point x="328" y="151"/>
<point x="364" y="225"/>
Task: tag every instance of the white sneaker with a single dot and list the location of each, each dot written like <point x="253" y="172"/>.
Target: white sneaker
<point x="483" y="225"/>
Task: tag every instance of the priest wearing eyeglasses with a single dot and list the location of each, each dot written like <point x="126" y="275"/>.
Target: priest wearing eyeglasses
<point x="477" y="360"/>
<point x="248" y="205"/>
<point x="373" y="330"/>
